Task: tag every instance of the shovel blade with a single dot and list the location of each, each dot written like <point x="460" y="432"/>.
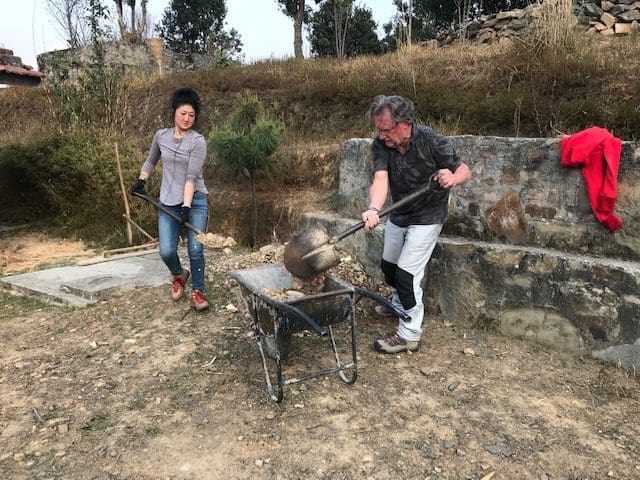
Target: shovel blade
<point x="309" y="253"/>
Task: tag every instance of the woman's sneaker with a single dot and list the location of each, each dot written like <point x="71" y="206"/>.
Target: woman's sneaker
<point x="199" y="301"/>
<point x="396" y="344"/>
<point x="178" y="283"/>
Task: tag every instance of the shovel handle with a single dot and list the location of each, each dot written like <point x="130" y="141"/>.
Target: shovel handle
<point x="386" y="211"/>
<point x="164" y="209"/>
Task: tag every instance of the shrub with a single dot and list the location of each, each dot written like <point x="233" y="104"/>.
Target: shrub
<point x="67" y="182"/>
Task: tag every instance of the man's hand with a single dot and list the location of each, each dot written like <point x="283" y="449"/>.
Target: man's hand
<point x="138" y="187"/>
<point x="445" y="178"/>
<point x="370" y="218"/>
<point x="185" y="214"/>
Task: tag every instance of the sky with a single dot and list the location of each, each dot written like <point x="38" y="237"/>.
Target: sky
<point x="27" y="28"/>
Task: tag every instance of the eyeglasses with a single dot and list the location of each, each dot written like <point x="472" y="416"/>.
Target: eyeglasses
<point x="385" y="131"/>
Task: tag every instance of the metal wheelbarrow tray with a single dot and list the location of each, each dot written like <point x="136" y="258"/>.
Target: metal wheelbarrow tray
<point x="276" y="320"/>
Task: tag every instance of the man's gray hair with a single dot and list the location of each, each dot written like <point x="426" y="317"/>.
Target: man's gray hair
<point x="400" y="108"/>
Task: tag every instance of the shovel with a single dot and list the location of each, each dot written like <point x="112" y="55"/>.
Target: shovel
<point x="164" y="209"/>
<point x="311" y="252"/>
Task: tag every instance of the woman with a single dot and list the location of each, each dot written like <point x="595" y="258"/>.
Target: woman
<point x="183" y="152"/>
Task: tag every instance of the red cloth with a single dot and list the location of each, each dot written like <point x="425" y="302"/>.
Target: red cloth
<point x="598" y="152"/>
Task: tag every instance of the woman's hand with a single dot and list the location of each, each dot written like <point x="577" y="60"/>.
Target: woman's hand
<point x="138" y="187"/>
<point x="185" y="214"/>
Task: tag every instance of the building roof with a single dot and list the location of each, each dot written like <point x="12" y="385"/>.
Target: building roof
<point x="14" y="72"/>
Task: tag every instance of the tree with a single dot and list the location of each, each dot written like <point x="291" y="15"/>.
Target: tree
<point x="69" y="15"/>
<point x="340" y="29"/>
<point x="197" y="26"/>
<point x="136" y="29"/>
<point x="297" y="10"/>
<point x="246" y="142"/>
<point x="418" y="21"/>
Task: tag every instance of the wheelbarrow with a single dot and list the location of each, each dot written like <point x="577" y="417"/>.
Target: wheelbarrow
<point x="275" y="321"/>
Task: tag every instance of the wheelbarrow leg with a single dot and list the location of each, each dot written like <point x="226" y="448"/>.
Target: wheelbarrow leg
<point x="354" y="359"/>
<point x="276" y="394"/>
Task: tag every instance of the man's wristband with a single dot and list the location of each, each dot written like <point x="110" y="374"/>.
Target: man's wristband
<point x="377" y="210"/>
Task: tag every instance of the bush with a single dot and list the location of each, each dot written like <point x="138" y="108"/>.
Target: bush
<point x="67" y="182"/>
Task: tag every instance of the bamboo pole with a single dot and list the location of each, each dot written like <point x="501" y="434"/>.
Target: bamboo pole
<point x="124" y="197"/>
<point x="91" y="261"/>
<point x="108" y="253"/>
<point x="142" y="230"/>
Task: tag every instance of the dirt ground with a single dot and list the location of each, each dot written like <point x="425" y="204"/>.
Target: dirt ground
<point x="140" y="387"/>
<point x="28" y="250"/>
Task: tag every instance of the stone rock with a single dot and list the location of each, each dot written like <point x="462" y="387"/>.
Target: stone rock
<point x="506" y="218"/>
<point x="544" y="327"/>
<point x="627" y="356"/>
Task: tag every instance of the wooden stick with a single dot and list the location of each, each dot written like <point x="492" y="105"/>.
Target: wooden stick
<point x="124" y="196"/>
<point x="91" y="261"/>
<point x="142" y="230"/>
<point x="108" y="253"/>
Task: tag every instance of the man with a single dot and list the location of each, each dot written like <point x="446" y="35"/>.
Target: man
<point x="405" y="157"/>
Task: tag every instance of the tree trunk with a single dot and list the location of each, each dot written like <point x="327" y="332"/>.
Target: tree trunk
<point x="121" y="25"/>
<point x="133" y="19"/>
<point x="143" y="20"/>
<point x="410" y="23"/>
<point x="297" y="31"/>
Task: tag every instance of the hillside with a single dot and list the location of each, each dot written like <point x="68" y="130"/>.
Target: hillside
<point x="518" y="89"/>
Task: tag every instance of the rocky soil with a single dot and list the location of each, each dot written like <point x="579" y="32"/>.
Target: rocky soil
<point x="140" y="387"/>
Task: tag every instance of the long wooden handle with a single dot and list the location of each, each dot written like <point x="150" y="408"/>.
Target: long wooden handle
<point x="124" y="196"/>
<point x="386" y="211"/>
<point x="161" y="207"/>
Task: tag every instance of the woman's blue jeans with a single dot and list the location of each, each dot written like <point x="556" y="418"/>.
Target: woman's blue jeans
<point x="169" y="232"/>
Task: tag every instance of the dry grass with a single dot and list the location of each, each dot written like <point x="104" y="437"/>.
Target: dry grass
<point x="548" y="82"/>
<point x="504" y="90"/>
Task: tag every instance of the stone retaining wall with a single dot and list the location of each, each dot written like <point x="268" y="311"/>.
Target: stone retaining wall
<point x="519" y="194"/>
<point x="143" y="59"/>
<point x="521" y="250"/>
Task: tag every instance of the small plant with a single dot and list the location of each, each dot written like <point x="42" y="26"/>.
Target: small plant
<point x="245" y="143"/>
<point x="11" y="305"/>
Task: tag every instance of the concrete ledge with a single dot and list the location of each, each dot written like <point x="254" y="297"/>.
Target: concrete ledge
<point x="557" y="299"/>
<point x="83" y="285"/>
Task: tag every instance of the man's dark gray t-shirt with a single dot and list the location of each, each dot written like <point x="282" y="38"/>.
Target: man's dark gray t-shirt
<point x="427" y="153"/>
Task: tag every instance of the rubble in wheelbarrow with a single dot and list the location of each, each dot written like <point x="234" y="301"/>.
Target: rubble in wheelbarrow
<point x="300" y="287"/>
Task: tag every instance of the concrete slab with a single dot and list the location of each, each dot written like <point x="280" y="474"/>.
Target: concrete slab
<point x="84" y="285"/>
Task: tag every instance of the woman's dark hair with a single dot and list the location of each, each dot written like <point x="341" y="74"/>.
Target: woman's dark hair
<point x="185" y="96"/>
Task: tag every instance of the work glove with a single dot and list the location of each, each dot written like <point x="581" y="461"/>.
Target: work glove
<point x="138" y="187"/>
<point x="185" y="214"/>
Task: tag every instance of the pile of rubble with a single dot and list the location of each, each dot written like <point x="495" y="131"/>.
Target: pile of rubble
<point x="606" y="17"/>
<point x="610" y="17"/>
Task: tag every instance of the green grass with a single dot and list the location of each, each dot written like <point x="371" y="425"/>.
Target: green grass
<point x="99" y="423"/>
<point x="12" y="305"/>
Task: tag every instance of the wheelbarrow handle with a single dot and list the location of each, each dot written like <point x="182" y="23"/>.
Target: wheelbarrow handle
<point x="164" y="209"/>
<point x="431" y="185"/>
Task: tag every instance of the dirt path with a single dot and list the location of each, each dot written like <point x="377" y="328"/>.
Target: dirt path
<point x="139" y="387"/>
